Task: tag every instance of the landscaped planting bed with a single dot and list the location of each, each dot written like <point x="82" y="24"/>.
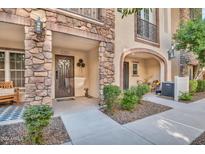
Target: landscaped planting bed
<point x="142" y="110"/>
<point x="199" y="140"/>
<point x="196" y="96"/>
<point x="55" y="133"/>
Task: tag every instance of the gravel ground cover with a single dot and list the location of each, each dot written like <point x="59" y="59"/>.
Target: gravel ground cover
<point x="199" y="140"/>
<point x="142" y="110"/>
<point x="14" y="134"/>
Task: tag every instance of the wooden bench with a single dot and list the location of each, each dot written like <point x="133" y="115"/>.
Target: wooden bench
<point x="8" y="92"/>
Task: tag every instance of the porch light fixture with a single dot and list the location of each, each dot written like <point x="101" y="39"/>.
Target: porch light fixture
<point x="38" y="26"/>
<point x="171" y="51"/>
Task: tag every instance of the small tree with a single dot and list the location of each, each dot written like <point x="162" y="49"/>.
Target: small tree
<point x="191" y="38"/>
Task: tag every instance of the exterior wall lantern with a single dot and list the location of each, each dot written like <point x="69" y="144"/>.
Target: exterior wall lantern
<point x="38" y="26"/>
<point x="171" y="53"/>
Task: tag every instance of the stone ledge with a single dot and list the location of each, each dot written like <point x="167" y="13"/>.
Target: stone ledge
<point x="14" y="19"/>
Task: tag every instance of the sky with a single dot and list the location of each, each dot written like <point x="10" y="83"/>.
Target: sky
<point x="203" y="13"/>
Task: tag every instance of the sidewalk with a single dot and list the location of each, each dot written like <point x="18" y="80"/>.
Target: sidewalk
<point x="181" y="125"/>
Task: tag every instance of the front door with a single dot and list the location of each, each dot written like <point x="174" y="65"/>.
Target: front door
<point x="126" y="75"/>
<point x="64" y="76"/>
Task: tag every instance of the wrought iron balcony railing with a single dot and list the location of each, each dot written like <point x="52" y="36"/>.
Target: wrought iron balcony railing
<point x="92" y="13"/>
<point x="147" y="30"/>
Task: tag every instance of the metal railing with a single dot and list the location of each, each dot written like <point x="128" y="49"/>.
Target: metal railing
<point x="147" y="30"/>
<point x="92" y="13"/>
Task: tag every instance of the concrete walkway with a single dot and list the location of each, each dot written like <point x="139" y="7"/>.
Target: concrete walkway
<point x="181" y="125"/>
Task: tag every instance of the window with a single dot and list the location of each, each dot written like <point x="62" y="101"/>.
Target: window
<point x="146" y="25"/>
<point x="135" y="69"/>
<point x="17" y="69"/>
<point x="2" y="66"/>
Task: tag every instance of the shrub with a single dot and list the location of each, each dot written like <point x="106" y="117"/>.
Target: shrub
<point x="185" y="96"/>
<point x="201" y="85"/>
<point x="193" y="86"/>
<point x="140" y="90"/>
<point x="37" y="117"/>
<point x="129" y="100"/>
<point x="111" y="94"/>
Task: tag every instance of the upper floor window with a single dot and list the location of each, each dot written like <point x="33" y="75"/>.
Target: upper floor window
<point x="93" y="13"/>
<point x="146" y="25"/>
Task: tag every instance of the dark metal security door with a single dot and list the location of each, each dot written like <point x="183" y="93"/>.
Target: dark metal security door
<point x="126" y="75"/>
<point x="64" y="76"/>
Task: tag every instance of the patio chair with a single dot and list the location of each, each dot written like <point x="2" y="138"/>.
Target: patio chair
<point x="8" y="92"/>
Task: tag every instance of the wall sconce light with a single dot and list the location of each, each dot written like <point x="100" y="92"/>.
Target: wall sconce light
<point x="80" y="63"/>
<point x="38" y="26"/>
<point x="171" y="53"/>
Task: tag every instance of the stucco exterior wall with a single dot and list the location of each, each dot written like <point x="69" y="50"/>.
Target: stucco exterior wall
<point x="124" y="40"/>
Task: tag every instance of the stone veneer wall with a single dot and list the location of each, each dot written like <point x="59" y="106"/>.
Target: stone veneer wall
<point x="38" y="48"/>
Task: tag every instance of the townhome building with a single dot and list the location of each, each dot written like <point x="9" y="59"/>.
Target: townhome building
<point x="66" y="53"/>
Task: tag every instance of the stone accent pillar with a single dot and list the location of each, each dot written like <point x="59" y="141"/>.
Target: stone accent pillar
<point x="184" y="14"/>
<point x="38" y="64"/>
<point x="106" y="65"/>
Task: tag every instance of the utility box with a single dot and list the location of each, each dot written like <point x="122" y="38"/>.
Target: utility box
<point x="167" y="89"/>
<point x="181" y="85"/>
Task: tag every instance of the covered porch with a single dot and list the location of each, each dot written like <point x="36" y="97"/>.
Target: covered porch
<point x="140" y="66"/>
<point x="75" y="66"/>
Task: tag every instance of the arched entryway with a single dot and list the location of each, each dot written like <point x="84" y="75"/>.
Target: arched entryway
<point x="141" y="65"/>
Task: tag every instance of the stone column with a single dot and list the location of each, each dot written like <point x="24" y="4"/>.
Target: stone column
<point x="38" y="64"/>
<point x="106" y="65"/>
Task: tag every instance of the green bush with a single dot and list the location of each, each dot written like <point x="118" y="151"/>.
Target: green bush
<point x="37" y="117"/>
<point x="193" y="86"/>
<point x="185" y="96"/>
<point x="201" y="86"/>
<point x="129" y="101"/>
<point x="111" y="94"/>
<point x="140" y="90"/>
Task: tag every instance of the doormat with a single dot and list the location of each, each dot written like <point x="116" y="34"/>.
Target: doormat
<point x="65" y="99"/>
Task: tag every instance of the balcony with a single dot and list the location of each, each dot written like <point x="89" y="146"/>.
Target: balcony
<point x="147" y="31"/>
<point x="92" y="13"/>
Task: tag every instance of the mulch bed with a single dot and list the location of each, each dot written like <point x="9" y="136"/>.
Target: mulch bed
<point x="197" y="96"/>
<point x="199" y="140"/>
<point x="14" y="134"/>
<point x="142" y="110"/>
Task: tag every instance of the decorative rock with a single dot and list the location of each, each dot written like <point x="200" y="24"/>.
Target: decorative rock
<point x="34" y="80"/>
<point x="47" y="100"/>
<point x="47" y="46"/>
<point x="28" y="62"/>
<point x="37" y="61"/>
<point x="38" y="56"/>
<point x="41" y="92"/>
<point x="61" y="18"/>
<point x="40" y="73"/>
<point x="48" y="82"/>
<point x="22" y="12"/>
<point x="29" y="44"/>
<point x="48" y="66"/>
<point x="48" y="55"/>
<point x="40" y="86"/>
